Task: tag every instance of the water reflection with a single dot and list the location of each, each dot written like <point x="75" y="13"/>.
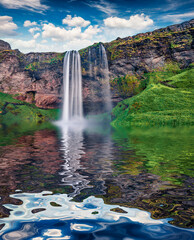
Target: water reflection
<point x="25" y="163"/>
<point x="144" y="168"/>
<point x="72" y="149"/>
<point x="77" y="221"/>
<point x="85" y="165"/>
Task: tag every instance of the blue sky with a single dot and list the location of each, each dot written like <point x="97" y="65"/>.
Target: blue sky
<point x="60" y="25"/>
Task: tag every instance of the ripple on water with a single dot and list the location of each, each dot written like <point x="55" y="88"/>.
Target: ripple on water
<point x="75" y="221"/>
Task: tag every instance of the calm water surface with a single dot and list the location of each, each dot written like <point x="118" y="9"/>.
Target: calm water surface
<point x="96" y="182"/>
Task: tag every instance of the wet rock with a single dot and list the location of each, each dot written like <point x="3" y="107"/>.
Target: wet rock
<point x="37" y="210"/>
<point x="2" y="226"/>
<point x="54" y="204"/>
<point x="47" y="101"/>
<point x="119" y="210"/>
<point x="95" y="212"/>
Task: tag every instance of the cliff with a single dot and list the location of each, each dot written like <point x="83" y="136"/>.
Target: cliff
<point x="142" y="53"/>
<point x="37" y="77"/>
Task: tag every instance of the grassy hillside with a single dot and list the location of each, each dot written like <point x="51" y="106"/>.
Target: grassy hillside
<point x="167" y="99"/>
<point x="15" y="111"/>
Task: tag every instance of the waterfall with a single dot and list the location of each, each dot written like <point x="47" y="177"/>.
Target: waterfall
<point x="72" y="87"/>
<point x="90" y="62"/>
<point x="105" y="78"/>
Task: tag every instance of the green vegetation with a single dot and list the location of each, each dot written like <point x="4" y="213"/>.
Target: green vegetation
<point x="130" y="85"/>
<point x="128" y="47"/>
<point x="163" y="151"/>
<point x="14" y="111"/>
<point x="10" y="132"/>
<point x="167" y="99"/>
<point x="127" y="85"/>
<point x="36" y="65"/>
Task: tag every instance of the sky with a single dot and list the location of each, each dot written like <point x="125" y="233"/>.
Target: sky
<point x="61" y="25"/>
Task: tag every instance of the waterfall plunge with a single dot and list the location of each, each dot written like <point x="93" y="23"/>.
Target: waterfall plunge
<point x="98" y="70"/>
<point x="72" y="87"/>
<point x="105" y="75"/>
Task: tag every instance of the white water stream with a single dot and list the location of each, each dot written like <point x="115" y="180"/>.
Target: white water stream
<point x="72" y="82"/>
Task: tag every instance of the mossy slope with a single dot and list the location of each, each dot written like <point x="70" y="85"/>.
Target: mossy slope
<point x="15" y="111"/>
<point x="169" y="101"/>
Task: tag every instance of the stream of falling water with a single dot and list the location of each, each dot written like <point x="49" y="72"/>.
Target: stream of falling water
<point x="72" y="81"/>
<point x="105" y="76"/>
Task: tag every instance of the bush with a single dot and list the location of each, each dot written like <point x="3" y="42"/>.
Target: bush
<point x="127" y="85"/>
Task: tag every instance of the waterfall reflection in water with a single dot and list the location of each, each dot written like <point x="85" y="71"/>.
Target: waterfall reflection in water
<point x="72" y="149"/>
<point x="73" y="172"/>
<point x="117" y="164"/>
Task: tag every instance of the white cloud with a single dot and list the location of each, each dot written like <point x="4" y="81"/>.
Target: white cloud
<point x="49" y="37"/>
<point x="90" y="32"/>
<point x="35" y="29"/>
<point x="7" y="26"/>
<point x="44" y="41"/>
<point x="75" y="21"/>
<point x="36" y="36"/>
<point x="77" y="44"/>
<point x="61" y="34"/>
<point x="21" y="44"/>
<point x="138" y="22"/>
<point x="174" y="5"/>
<point x="103" y="6"/>
<point x="32" y="45"/>
<point x="178" y="17"/>
<point x="32" y="5"/>
<point x="27" y="23"/>
<point x="120" y="27"/>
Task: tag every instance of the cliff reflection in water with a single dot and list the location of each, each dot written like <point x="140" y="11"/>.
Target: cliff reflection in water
<point x="145" y="168"/>
<point x="65" y="159"/>
<point x="32" y="161"/>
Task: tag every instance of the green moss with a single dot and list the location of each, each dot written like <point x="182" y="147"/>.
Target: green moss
<point x="84" y="51"/>
<point x="184" y="80"/>
<point x="34" y="66"/>
<point x="15" y="111"/>
<point x="159" y="104"/>
<point x="130" y="45"/>
<point x="127" y="85"/>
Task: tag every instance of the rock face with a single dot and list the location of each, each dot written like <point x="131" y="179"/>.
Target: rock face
<point x="4" y="45"/>
<point x="34" y="77"/>
<point x="37" y="77"/>
<point x="146" y="51"/>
